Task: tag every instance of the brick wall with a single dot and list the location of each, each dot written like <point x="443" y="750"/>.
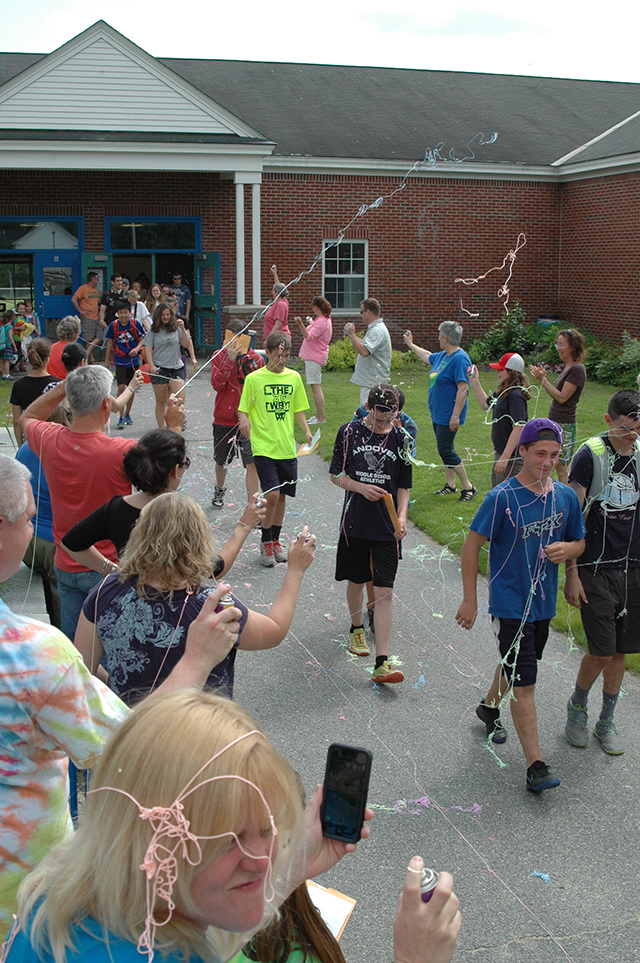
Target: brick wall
<point x="419" y="241"/>
<point x="601" y="255"/>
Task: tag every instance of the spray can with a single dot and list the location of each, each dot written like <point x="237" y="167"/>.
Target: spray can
<point x="226" y="602"/>
<point x="428" y="882"/>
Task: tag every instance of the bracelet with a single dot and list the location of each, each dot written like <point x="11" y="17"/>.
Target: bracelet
<point x="108" y="567"/>
<point x="244" y="524"/>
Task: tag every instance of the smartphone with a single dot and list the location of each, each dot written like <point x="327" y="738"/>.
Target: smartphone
<point x="346" y="783"/>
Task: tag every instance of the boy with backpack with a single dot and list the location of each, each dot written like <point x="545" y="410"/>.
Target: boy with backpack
<point x="124" y="344"/>
<point x="605" y="582"/>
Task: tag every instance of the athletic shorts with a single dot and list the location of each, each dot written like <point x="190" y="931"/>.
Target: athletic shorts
<point x="228" y="443"/>
<point x="92" y="330"/>
<point x="313" y="372"/>
<point x="358" y="558"/>
<point x="521" y="643"/>
<point x="164" y="375"/>
<point x="124" y="373"/>
<point x="569" y="434"/>
<point x="279" y="473"/>
<point x="611" y="592"/>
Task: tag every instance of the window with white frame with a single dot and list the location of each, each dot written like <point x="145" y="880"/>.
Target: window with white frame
<point x="344" y="273"/>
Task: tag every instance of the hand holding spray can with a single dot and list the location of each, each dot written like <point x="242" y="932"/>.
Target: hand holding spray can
<point x="428" y="882"/>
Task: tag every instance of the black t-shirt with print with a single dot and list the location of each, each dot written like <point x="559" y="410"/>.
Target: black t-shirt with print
<point x="373" y="460"/>
<point x="613" y="527"/>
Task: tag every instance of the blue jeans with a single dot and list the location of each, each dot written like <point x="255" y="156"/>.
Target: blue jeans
<point x="73" y="588"/>
<point x="445" y="439"/>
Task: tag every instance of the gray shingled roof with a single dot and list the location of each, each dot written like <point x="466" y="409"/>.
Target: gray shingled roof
<point x="395" y="114"/>
<point x="379" y="112"/>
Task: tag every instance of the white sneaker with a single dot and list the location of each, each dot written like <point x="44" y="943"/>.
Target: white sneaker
<point x="266" y="554"/>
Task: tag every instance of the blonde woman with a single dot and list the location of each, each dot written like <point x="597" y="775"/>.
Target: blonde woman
<point x="139" y="617"/>
<point x="192" y="836"/>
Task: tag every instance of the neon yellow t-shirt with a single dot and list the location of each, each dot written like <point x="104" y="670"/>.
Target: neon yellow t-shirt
<point x="270" y="400"/>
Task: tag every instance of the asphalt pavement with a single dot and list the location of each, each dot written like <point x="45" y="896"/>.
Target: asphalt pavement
<point x="540" y="878"/>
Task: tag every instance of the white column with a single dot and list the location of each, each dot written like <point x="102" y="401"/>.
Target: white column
<point x="255" y="243"/>
<point x="240" y="298"/>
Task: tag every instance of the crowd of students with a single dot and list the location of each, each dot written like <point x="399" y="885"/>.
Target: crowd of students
<point x="133" y="575"/>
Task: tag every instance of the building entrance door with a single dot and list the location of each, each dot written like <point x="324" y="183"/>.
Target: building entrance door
<point x="56" y="277"/>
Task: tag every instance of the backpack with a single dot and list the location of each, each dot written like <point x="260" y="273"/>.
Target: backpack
<point x="601" y="472"/>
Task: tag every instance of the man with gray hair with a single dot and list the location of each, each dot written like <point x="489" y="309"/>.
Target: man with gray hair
<point x="52" y="708"/>
<point x="83" y="468"/>
<point x="373" y="364"/>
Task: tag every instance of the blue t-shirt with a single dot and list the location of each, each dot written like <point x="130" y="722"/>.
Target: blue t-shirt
<point x="125" y="338"/>
<point x="519" y="525"/>
<point x="446" y="371"/>
<point x="43" y="521"/>
<point x="90" y="946"/>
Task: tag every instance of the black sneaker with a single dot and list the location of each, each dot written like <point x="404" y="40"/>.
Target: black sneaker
<point x="491" y="718"/>
<point x="539" y="778"/>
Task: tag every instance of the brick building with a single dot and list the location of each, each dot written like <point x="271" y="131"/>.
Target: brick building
<point x="114" y="160"/>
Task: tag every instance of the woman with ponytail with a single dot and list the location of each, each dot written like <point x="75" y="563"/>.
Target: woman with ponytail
<point x="30" y="387"/>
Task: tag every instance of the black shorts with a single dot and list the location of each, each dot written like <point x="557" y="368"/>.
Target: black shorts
<point x="279" y="473"/>
<point x="610" y="593"/>
<point x="521" y="643"/>
<point x="124" y="374"/>
<point x="228" y="443"/>
<point x="164" y="375"/>
<point x="358" y="558"/>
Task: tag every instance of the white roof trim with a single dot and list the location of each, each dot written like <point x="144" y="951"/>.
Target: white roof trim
<point x="213" y="116"/>
<point x="89" y="155"/>
<point x="594" y="140"/>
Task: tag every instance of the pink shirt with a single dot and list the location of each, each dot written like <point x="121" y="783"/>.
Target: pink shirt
<point x="315" y="347"/>
<point x="277" y="312"/>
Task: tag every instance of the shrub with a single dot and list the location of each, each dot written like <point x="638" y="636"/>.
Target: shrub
<point x="508" y="333"/>
<point x="620" y="369"/>
<point x="342" y="355"/>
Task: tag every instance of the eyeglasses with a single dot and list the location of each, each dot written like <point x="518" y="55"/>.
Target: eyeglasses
<point x="186" y="464"/>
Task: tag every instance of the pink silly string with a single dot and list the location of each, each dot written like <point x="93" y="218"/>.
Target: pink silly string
<point x="503" y="291"/>
<point x="160" y="862"/>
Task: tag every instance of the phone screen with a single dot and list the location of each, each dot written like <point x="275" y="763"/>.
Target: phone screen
<point x="346" y="783"/>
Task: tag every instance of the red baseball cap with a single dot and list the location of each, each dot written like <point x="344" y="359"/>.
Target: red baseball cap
<point x="510" y="362"/>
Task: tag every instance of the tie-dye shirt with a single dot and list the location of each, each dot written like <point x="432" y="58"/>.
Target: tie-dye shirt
<point x="50" y="708"/>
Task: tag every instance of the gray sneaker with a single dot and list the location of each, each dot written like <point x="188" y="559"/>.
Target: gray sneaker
<point x="576" y="728"/>
<point x="607" y="733"/>
<point x="218" y="497"/>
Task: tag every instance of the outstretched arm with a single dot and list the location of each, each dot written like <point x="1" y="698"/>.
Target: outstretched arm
<point x="422" y="353"/>
<point x="267" y="631"/>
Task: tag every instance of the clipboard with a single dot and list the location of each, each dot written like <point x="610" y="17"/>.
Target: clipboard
<point x="242" y="340"/>
<point x="334" y="907"/>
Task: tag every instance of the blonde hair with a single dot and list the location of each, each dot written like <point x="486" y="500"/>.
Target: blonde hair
<point x="171" y="543"/>
<point x="97" y="872"/>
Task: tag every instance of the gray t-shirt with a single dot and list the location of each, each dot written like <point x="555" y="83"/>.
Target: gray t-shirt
<point x="376" y="367"/>
<point x="165" y="347"/>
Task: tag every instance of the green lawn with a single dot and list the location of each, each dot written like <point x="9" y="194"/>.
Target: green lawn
<point x="444" y="518"/>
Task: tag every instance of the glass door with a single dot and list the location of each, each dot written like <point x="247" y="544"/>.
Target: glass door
<point x="56" y="276"/>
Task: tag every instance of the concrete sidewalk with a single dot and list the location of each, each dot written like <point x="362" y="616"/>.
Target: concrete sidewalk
<point x="546" y="878"/>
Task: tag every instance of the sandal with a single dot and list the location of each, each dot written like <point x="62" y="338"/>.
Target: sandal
<point x="467" y="494"/>
<point x="447" y="490"/>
